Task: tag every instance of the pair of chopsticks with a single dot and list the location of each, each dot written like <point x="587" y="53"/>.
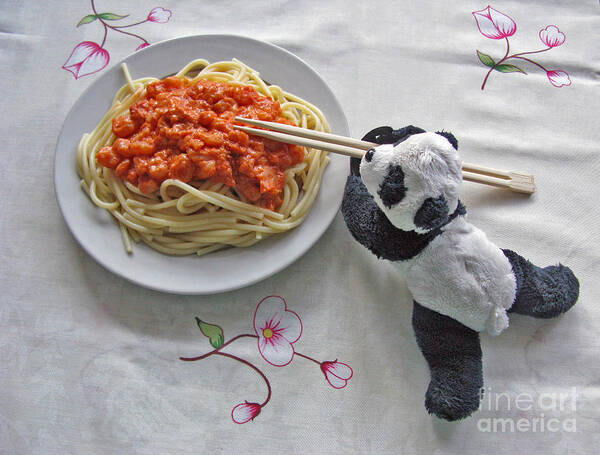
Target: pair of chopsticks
<point x="512" y="180"/>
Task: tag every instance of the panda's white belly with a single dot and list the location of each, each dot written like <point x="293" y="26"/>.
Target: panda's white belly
<point x="461" y="274"/>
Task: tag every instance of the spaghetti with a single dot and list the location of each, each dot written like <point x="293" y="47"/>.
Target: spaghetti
<point x="200" y="216"/>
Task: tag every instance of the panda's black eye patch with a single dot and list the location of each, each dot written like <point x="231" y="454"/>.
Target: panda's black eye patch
<point x="392" y="189"/>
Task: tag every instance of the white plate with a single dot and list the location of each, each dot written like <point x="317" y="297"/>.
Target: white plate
<point x="233" y="268"/>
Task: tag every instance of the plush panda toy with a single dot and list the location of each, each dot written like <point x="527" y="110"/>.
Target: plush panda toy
<point x="401" y="201"/>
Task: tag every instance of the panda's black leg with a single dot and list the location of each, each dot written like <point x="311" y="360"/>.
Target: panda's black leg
<point x="453" y="354"/>
<point x="542" y="292"/>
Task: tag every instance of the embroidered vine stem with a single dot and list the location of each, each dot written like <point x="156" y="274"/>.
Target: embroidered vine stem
<point x="115" y="28"/>
<point x="130" y="25"/>
<point x="308" y="358"/>
<point x="496" y="64"/>
<point x="239" y="359"/>
<point x="508" y="57"/>
<point x="214" y="351"/>
<point x="531" y="61"/>
<point x="243" y="335"/>
<point x="255" y="368"/>
<point x="245" y="362"/>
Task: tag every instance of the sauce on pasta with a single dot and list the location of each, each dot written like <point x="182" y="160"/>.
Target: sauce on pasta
<point x="184" y="131"/>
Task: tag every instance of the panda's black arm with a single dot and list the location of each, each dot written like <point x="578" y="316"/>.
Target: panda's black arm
<point x="371" y="228"/>
<point x="453" y="353"/>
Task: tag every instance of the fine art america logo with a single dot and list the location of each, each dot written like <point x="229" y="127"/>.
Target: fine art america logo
<point x="536" y="413"/>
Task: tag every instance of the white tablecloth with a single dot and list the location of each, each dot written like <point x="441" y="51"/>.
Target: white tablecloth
<point x="89" y="362"/>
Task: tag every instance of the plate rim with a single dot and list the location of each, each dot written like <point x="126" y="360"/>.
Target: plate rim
<point x="297" y="254"/>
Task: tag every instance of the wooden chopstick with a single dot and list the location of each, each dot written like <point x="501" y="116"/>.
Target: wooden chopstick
<point x="518" y="181"/>
<point x="512" y="180"/>
<point x="306" y="142"/>
<point x="310" y="134"/>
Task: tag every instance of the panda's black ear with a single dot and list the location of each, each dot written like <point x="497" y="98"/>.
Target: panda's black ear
<point x="381" y="135"/>
<point x="387" y="135"/>
<point x="433" y="213"/>
<point x="401" y="134"/>
<point x="450" y="138"/>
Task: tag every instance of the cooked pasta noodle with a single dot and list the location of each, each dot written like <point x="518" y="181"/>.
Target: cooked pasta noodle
<point x="200" y="216"/>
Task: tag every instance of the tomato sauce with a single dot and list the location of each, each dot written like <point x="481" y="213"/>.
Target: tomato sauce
<point x="184" y="131"/>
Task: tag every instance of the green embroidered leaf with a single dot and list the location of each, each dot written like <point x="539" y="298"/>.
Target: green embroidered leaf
<point x="505" y="68"/>
<point x="111" y="16"/>
<point x="214" y="333"/>
<point x="87" y="19"/>
<point x="485" y="59"/>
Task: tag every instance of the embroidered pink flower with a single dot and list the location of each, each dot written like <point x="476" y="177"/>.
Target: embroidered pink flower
<point x="494" y="24"/>
<point x="87" y="58"/>
<point x="141" y="46"/>
<point x="159" y="15"/>
<point x="337" y="373"/>
<point x="244" y="412"/>
<point x="558" y="78"/>
<point x="277" y="329"/>
<point x="551" y="36"/>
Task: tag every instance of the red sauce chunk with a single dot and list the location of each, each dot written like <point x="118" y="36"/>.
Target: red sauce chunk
<point x="184" y="131"/>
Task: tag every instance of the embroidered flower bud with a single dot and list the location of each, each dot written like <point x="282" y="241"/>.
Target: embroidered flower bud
<point x="551" y="36"/>
<point x="159" y="15"/>
<point x="337" y="373"/>
<point x="558" y="78"/>
<point x="87" y="58"/>
<point x="244" y="412"/>
<point x="494" y="24"/>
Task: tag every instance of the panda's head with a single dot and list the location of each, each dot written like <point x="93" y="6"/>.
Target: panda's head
<point x="415" y="181"/>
